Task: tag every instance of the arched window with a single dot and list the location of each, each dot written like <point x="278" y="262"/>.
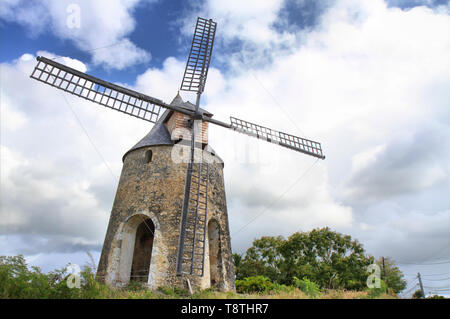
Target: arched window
<point x="148" y="156"/>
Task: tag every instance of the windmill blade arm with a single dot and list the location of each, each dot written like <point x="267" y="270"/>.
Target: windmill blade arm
<point x="286" y="140"/>
<point x="199" y="58"/>
<point x="99" y="91"/>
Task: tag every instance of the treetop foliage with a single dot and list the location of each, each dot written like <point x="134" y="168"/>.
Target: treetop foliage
<point x="327" y="258"/>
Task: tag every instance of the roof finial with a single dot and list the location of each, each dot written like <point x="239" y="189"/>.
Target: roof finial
<point x="177" y="99"/>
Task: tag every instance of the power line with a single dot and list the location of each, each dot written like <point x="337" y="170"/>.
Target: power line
<point x="411" y="281"/>
<point x="441" y="290"/>
<point x="439" y="279"/>
<point x="276" y="200"/>
<point x="410" y="290"/>
<point x="436" y="253"/>
<point x="106" y="46"/>
<point x="439" y="251"/>
<point x="426" y="264"/>
<point x="441" y="287"/>
<point x="415" y="285"/>
<point x="278" y="104"/>
<point x="437" y="274"/>
<point x="427" y="275"/>
<point x="90" y="50"/>
<point x="89" y="138"/>
<point x="99" y="154"/>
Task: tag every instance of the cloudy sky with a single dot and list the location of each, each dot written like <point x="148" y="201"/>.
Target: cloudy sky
<point x="369" y="79"/>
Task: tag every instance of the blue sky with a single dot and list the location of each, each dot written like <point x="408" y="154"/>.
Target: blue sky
<point x="369" y="79"/>
<point x="157" y="33"/>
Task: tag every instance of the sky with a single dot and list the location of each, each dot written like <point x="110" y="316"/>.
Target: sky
<point x="369" y="79"/>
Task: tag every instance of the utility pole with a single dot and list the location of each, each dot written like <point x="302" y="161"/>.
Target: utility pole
<point x="420" y="284"/>
<point x="384" y="275"/>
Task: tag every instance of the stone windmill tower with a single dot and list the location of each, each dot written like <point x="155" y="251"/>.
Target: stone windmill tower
<point x="143" y="233"/>
<point x="169" y="222"/>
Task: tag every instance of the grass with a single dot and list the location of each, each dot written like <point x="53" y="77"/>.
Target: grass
<point x="19" y="281"/>
<point x="171" y="293"/>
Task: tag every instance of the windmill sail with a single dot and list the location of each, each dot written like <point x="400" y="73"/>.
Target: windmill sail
<point x="199" y="57"/>
<point x="96" y="90"/>
<point x="287" y="140"/>
<point x="194" y="214"/>
<point x="194" y="80"/>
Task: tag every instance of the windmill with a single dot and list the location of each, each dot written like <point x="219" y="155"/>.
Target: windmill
<point x="191" y="246"/>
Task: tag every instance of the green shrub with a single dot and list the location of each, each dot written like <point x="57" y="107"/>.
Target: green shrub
<point x="141" y="294"/>
<point x="377" y="292"/>
<point x="173" y="291"/>
<point x="417" y="294"/>
<point x="278" y="288"/>
<point x="18" y="281"/>
<point x="308" y="287"/>
<point x="135" y="286"/>
<point x="90" y="287"/>
<point x="258" y="284"/>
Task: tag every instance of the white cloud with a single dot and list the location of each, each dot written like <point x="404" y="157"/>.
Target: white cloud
<point x="364" y="159"/>
<point x="72" y="63"/>
<point x="123" y="55"/>
<point x="60" y="167"/>
<point x="102" y="29"/>
<point x="162" y="83"/>
<point x="409" y="236"/>
<point x="369" y="82"/>
<point x="405" y="165"/>
<point x="55" y="185"/>
<point x="11" y="119"/>
<point x="368" y="78"/>
<point x="249" y="20"/>
<point x="31" y="14"/>
<point x="248" y="25"/>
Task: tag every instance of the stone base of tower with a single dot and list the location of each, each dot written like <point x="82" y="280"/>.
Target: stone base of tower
<point x="142" y="238"/>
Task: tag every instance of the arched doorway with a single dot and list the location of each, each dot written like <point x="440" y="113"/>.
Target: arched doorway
<point x="142" y="252"/>
<point x="214" y="252"/>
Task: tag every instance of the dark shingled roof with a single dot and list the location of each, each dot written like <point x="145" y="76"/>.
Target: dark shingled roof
<point x="159" y="135"/>
<point x="178" y="101"/>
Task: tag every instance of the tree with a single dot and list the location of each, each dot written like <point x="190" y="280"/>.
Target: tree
<point x="394" y="277"/>
<point x="262" y="259"/>
<point x="328" y="258"/>
<point x="237" y="262"/>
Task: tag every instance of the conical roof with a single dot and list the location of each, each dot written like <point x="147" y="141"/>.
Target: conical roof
<point x="178" y="101"/>
<point x="159" y="134"/>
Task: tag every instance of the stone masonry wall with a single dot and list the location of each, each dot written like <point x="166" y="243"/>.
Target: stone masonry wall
<point x="155" y="190"/>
